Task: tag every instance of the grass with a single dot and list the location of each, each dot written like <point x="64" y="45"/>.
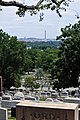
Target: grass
<point x="9" y="115"/>
<point x="11" y="118"/>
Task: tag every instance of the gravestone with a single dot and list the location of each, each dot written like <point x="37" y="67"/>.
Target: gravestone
<point x="6" y="97"/>
<point x="9" y="104"/>
<point x="72" y="100"/>
<point x="46" y="111"/>
<point x="3" y="114"/>
<point x="1" y="90"/>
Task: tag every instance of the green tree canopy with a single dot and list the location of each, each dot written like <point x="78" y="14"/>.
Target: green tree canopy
<point x="46" y="58"/>
<point x="30" y="82"/>
<point x="12" y="59"/>
<point x="68" y="63"/>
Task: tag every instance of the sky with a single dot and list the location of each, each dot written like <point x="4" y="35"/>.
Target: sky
<point x="30" y="26"/>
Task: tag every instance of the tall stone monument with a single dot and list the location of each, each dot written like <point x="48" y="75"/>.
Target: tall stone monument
<point x="27" y="110"/>
<point x="1" y="88"/>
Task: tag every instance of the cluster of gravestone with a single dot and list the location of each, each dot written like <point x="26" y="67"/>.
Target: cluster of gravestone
<point x="7" y="101"/>
<point x="3" y="111"/>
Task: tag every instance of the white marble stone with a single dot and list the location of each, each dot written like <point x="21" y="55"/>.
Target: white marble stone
<point x="3" y="114"/>
<point x="9" y="104"/>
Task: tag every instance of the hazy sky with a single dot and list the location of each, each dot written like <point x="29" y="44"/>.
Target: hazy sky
<point x="29" y="26"/>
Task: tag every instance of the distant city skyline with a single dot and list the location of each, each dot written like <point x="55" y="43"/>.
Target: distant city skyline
<point x="29" y="26"/>
<point x="34" y="39"/>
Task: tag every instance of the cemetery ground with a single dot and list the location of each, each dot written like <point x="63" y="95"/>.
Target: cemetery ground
<point x="41" y="98"/>
<point x="9" y="115"/>
<point x="9" y="110"/>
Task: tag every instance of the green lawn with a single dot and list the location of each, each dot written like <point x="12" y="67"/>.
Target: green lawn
<point x="11" y="118"/>
<point x="9" y="115"/>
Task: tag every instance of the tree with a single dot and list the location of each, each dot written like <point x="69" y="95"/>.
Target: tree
<point x="12" y="60"/>
<point x="30" y="82"/>
<point x="33" y="54"/>
<point x="40" y="5"/>
<point x="46" y="58"/>
<point x="68" y="63"/>
<point x="29" y="64"/>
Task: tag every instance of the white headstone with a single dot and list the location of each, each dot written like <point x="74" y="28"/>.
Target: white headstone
<point x="3" y="114"/>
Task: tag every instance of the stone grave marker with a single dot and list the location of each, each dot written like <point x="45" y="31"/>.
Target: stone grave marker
<point x="3" y="114"/>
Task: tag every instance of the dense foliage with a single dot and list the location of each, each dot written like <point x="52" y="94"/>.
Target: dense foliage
<point x="12" y="59"/>
<point x="43" y="58"/>
<point x="43" y="45"/>
<point x="30" y="82"/>
<point x="67" y="67"/>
